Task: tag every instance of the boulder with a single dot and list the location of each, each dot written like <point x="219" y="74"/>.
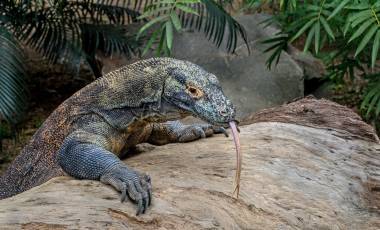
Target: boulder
<point x="313" y="68"/>
<point x="245" y="77"/>
<point x="295" y="176"/>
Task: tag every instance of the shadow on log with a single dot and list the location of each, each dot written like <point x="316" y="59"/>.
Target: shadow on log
<point x="311" y="164"/>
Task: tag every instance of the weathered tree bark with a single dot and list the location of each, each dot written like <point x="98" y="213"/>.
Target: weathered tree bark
<point x="317" y="113"/>
<point x="322" y="171"/>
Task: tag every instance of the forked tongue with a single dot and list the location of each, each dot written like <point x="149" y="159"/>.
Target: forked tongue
<point x="235" y="135"/>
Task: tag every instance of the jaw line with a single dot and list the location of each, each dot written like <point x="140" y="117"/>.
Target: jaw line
<point x="182" y="109"/>
<point x="185" y="109"/>
<point x="222" y="124"/>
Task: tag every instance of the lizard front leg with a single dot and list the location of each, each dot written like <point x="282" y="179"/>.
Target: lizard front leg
<point x="86" y="154"/>
<point x="176" y="131"/>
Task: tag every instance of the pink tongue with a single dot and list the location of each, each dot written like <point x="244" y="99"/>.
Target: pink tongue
<point x="235" y="135"/>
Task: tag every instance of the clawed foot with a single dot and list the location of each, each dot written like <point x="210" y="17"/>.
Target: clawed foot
<point x="196" y="131"/>
<point x="129" y="182"/>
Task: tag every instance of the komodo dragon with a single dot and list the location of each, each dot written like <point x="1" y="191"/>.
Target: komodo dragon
<point x="85" y="136"/>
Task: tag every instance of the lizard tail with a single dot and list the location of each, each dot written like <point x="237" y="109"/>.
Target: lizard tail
<point x="27" y="171"/>
<point x="37" y="162"/>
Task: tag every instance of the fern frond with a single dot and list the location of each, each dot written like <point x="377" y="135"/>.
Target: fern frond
<point x="371" y="103"/>
<point x="12" y="72"/>
<point x="215" y="21"/>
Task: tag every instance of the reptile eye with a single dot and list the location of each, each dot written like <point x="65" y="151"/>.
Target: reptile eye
<point x="194" y="92"/>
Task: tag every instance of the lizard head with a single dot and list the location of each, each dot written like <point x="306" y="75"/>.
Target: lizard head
<point x="195" y="91"/>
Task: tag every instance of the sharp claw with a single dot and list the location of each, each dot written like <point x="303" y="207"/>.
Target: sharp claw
<point x="146" y="203"/>
<point x="149" y="195"/>
<point x="148" y="179"/>
<point x="123" y="194"/>
<point x="224" y="131"/>
<point x="140" y="207"/>
<point x="198" y="131"/>
<point x="221" y="130"/>
<point x="135" y="185"/>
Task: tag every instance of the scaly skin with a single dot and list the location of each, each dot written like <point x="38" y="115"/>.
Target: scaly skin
<point x="85" y="136"/>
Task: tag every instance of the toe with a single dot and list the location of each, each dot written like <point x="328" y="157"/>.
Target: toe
<point x="140" y="206"/>
<point x="143" y="194"/>
<point x="220" y="130"/>
<point x="123" y="192"/>
<point x="199" y="132"/>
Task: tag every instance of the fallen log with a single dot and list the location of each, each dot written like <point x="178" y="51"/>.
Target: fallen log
<point x="296" y="175"/>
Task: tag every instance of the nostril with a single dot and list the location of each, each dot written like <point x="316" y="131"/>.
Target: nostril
<point x="223" y="112"/>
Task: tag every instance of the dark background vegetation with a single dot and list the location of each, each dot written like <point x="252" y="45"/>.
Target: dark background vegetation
<point x="50" y="49"/>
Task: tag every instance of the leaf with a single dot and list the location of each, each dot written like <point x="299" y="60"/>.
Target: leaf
<point x="377" y="112"/>
<point x="361" y="14"/>
<point x="327" y="28"/>
<point x="169" y="34"/>
<point x="375" y="49"/>
<point x="303" y="29"/>
<point x="366" y="39"/>
<point x="186" y="9"/>
<point x="150" y="42"/>
<point x="176" y="22"/>
<point x="317" y="37"/>
<point x="360" y="20"/>
<point x="165" y="2"/>
<point x="216" y="24"/>
<point x="338" y="8"/>
<point x="360" y="6"/>
<point x="162" y="43"/>
<point x="367" y="98"/>
<point x="346" y="27"/>
<point x="372" y="103"/>
<point x="12" y="73"/>
<point x="374" y="96"/>
<point x="150" y="23"/>
<point x="277" y="38"/>
<point x="360" y="30"/>
<point x="188" y="1"/>
<point x="308" y="39"/>
<point x="315" y="8"/>
<point x="153" y="12"/>
<point x="274" y="46"/>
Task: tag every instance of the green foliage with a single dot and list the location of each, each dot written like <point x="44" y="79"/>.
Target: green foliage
<point x="64" y="31"/>
<point x="344" y="33"/>
<point x="287" y="5"/>
<point x="12" y="71"/>
<point x="371" y="102"/>
<point x="73" y="31"/>
<point x="204" y="15"/>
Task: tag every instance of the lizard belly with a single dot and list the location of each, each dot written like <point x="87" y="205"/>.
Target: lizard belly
<point x="136" y="133"/>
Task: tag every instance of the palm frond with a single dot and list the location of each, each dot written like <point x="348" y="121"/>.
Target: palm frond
<point x="371" y="102"/>
<point x="365" y="26"/>
<point x="101" y="12"/>
<point x="108" y="39"/>
<point x="70" y="31"/>
<point x="12" y="85"/>
<point x="214" y="21"/>
<point x="207" y="16"/>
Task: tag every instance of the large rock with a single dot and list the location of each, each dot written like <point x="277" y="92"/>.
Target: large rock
<point x="245" y="77"/>
<point x="294" y="177"/>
